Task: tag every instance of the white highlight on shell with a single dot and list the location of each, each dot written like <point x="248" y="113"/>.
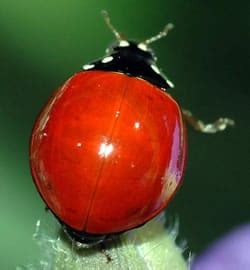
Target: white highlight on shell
<point x="88" y="66"/>
<point x="155" y="69"/>
<point x="123" y="43"/>
<point x="46" y="115"/>
<point x="107" y="59"/>
<point x="137" y="125"/>
<point x="44" y="134"/>
<point x="105" y="149"/>
<point x="117" y="113"/>
<point x="142" y="46"/>
<point x="79" y="144"/>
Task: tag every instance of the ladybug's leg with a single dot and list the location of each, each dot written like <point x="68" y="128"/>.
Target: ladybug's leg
<point x="219" y="125"/>
<point x="105" y="252"/>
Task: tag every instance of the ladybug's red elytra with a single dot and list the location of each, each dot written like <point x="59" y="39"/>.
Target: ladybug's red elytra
<point x="108" y="150"/>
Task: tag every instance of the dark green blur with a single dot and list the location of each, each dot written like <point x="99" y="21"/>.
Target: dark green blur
<point x="207" y="57"/>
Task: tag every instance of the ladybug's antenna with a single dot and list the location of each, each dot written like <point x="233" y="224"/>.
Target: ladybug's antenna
<point x="162" y="34"/>
<point x="110" y="26"/>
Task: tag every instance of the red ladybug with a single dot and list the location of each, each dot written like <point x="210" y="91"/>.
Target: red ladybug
<point x="108" y="150"/>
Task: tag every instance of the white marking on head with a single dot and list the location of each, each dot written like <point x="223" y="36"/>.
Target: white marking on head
<point x="142" y="46"/>
<point x="107" y="59"/>
<point x="88" y="66"/>
<point x="155" y="69"/>
<point x="123" y="43"/>
<point x="170" y="83"/>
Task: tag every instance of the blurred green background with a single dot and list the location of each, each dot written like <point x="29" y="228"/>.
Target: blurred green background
<point x="207" y="57"/>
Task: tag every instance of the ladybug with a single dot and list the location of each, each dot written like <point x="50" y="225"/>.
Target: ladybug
<point x="108" y="150"/>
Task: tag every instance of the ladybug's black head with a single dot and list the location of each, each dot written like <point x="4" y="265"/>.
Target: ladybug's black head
<point x="134" y="49"/>
<point x="132" y="58"/>
<point x="131" y="48"/>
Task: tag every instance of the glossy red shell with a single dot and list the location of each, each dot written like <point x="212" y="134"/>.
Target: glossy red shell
<point x="107" y="151"/>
